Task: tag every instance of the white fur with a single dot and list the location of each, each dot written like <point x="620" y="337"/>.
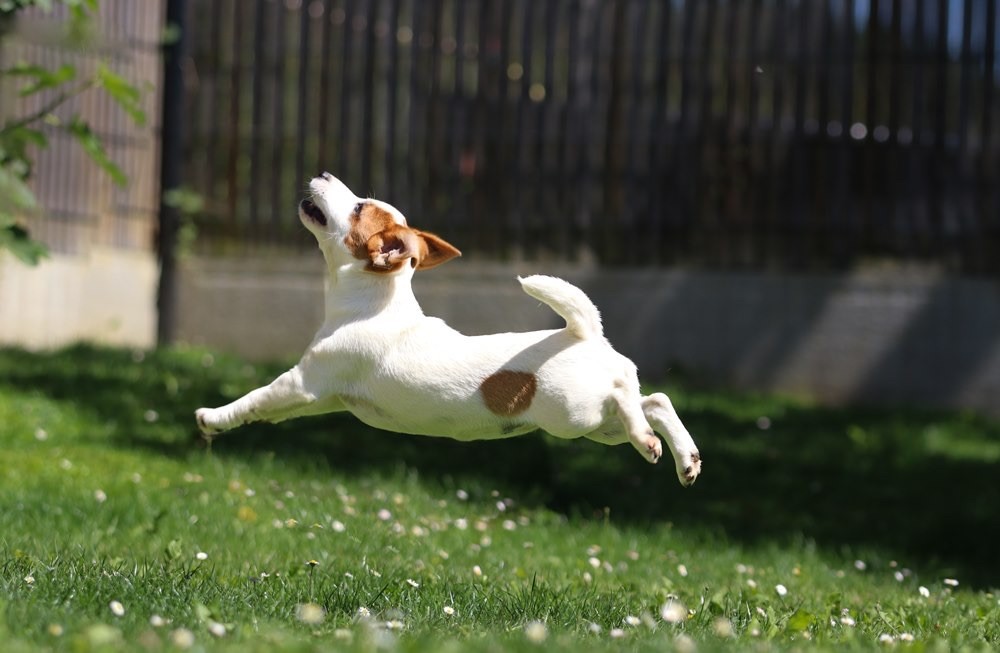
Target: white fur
<point x="378" y="356"/>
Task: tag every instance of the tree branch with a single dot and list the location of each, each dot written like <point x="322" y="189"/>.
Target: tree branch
<point x="48" y="108"/>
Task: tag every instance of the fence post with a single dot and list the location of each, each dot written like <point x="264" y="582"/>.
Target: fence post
<point x="171" y="152"/>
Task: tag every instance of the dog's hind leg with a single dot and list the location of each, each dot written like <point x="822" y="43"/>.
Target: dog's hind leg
<point x="639" y="433"/>
<point x="661" y="414"/>
<point x="283" y="398"/>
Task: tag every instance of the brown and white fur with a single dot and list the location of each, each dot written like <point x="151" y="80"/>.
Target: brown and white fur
<point x="379" y="357"/>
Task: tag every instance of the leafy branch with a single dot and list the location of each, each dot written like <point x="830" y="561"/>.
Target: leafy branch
<point x="19" y="135"/>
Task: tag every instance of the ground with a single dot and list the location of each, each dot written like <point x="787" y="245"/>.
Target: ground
<point x="809" y="529"/>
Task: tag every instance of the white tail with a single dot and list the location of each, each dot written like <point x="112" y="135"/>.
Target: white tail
<point x="582" y="318"/>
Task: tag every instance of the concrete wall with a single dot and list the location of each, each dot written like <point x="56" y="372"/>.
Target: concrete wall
<point x="885" y="335"/>
<point x="106" y="296"/>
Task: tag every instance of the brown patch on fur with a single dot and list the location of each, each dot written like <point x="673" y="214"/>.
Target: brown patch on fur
<point x="387" y="246"/>
<point x="368" y="222"/>
<point x="508" y="393"/>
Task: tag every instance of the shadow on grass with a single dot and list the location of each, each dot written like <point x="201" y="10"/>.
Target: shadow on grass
<point x="922" y="485"/>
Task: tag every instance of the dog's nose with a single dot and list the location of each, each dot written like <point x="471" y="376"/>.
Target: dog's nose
<point x="326" y="175"/>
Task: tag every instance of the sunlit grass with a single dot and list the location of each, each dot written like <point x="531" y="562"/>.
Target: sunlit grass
<point x="811" y="528"/>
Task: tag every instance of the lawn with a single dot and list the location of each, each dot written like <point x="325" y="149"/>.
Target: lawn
<point x="809" y="529"/>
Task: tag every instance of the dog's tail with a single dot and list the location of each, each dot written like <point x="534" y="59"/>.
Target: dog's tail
<point x="582" y="318"/>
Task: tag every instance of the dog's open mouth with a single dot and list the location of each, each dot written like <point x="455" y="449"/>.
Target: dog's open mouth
<point x="314" y="212"/>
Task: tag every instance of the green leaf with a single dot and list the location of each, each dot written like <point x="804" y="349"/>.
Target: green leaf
<point x="41" y="78"/>
<point x="174" y="550"/>
<point x="14" y="193"/>
<point x="184" y="200"/>
<point x="92" y="145"/>
<point x="801" y="620"/>
<point x="17" y="240"/>
<point x="124" y="94"/>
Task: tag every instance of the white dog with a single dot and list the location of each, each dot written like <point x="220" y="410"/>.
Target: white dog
<point x="378" y="356"/>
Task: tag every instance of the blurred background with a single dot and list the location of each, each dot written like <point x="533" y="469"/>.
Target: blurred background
<point x="783" y="195"/>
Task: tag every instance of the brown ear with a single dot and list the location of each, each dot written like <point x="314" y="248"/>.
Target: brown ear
<point x="434" y="250"/>
<point x="390" y="248"/>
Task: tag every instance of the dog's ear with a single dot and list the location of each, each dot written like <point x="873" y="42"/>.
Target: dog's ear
<point x="435" y="250"/>
<point x="392" y="247"/>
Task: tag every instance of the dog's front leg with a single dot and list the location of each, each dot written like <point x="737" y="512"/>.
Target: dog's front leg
<point x="283" y="398"/>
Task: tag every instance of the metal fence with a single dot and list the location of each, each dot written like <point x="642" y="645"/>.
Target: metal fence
<point x="785" y="134"/>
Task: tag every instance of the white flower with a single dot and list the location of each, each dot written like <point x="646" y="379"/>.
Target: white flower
<point x="673" y="612"/>
<point x="412" y="583"/>
<point x="384" y="515"/>
<point x="781" y="589"/>
<point x="363" y="613"/>
<point x="216" y="628"/>
<point x="29" y="579"/>
<point x="723" y="627"/>
<point x="117" y="608"/>
<point x="594" y="562"/>
<point x="182" y="638"/>
<point x="898" y="575"/>
<point x="201" y="555"/>
<point x="924" y="592"/>
<point x="536" y="632"/>
<point x="477" y="571"/>
<point x="751" y="583"/>
<point x="462" y="495"/>
<point x="886" y="638"/>
<point x="906" y="637"/>
<point x="847" y="620"/>
<point x="950" y="582"/>
<point x="461" y="524"/>
<point x="310" y="613"/>
<point x="338" y="526"/>
<point x="394" y="624"/>
<point x="616" y="633"/>
<point x="448" y="610"/>
<point x="100" y="496"/>
<point x="632" y="620"/>
<point x="156" y="621"/>
<point x="684" y="644"/>
<point x="682" y="570"/>
<point x="860" y="565"/>
<point x="595" y="629"/>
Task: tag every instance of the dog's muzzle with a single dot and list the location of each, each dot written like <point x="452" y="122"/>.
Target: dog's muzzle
<point x="314" y="212"/>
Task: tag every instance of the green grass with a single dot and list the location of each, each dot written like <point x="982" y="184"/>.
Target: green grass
<point x="108" y="495"/>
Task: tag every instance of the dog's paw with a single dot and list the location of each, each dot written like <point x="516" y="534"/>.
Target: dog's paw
<point x="688" y="468"/>
<point x="651" y="449"/>
<point x="207" y="423"/>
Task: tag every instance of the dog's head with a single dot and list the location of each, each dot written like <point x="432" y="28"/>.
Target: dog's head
<point x="366" y="231"/>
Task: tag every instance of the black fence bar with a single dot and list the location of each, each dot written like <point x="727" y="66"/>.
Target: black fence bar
<point x="762" y="134"/>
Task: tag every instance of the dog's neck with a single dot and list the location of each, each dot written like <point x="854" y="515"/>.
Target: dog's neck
<point x="352" y="294"/>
